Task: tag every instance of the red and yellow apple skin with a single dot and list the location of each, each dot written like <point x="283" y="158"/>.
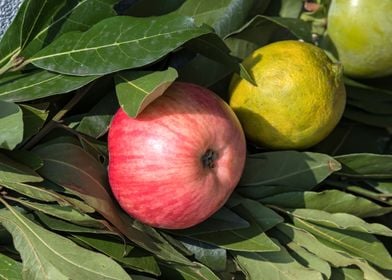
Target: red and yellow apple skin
<point x="178" y="162"/>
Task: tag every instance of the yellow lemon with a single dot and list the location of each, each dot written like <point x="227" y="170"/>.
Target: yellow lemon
<point x="299" y="97"/>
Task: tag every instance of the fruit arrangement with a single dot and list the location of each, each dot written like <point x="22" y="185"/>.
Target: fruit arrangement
<point x="190" y="139"/>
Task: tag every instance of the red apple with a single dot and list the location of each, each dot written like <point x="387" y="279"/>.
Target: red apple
<point x="178" y="162"/>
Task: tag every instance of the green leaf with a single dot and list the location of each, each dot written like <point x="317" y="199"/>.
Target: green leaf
<point x="274" y="265"/>
<point x="38" y="193"/>
<point x="97" y="121"/>
<point x="299" y="28"/>
<point x="48" y="255"/>
<point x="332" y="201"/>
<point x="381" y="186"/>
<point x="276" y="172"/>
<point x="337" y="258"/>
<point x="366" y="165"/>
<point x="127" y="255"/>
<point x="10" y="269"/>
<point x="291" y="8"/>
<point x="11" y="125"/>
<point x="137" y="89"/>
<point x="359" y="244"/>
<point x="75" y="15"/>
<point x="33" y="120"/>
<point x="252" y="238"/>
<point x="361" y="116"/>
<point x="309" y="260"/>
<point x="73" y="168"/>
<point x="117" y="43"/>
<point x="347" y="274"/>
<point x="224" y="16"/>
<point x="66" y="213"/>
<point x="38" y="84"/>
<point x="222" y="220"/>
<point x="341" y="221"/>
<point x="12" y="171"/>
<point x="211" y="256"/>
<point x="197" y="272"/>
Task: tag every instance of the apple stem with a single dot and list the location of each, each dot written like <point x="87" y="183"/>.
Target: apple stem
<point x="208" y="159"/>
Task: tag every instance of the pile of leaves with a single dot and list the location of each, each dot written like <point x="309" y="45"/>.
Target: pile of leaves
<point x="66" y="67"/>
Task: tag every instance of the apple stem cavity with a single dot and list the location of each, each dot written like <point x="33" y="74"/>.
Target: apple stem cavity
<point x="208" y="159"/>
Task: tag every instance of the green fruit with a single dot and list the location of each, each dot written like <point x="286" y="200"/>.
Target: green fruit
<point x="361" y="31"/>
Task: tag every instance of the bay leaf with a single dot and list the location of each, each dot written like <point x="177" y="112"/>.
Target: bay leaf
<point x="12" y="171"/>
<point x="137" y="89"/>
<point x="48" y="255"/>
<point x="11" y="125"/>
<point x="341" y="221"/>
<point x="196" y="272"/>
<point x="117" y="43"/>
<point x="337" y="258"/>
<point x="274" y="265"/>
<point x="10" y="269"/>
<point x="332" y="201"/>
<point x="364" y="165"/>
<point x="358" y="244"/>
<point x="39" y="84"/>
<point x="277" y="172"/>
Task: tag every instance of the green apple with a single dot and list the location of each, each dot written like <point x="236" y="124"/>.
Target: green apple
<point x="361" y="31"/>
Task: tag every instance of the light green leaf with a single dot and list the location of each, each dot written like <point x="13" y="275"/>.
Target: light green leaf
<point x="347" y="274"/>
<point x="10" y="269"/>
<point x="363" y="165"/>
<point x="11" y="125"/>
<point x="274" y="265"/>
<point x="275" y="172"/>
<point x="51" y="256"/>
<point x="332" y="201"/>
<point x="358" y="244"/>
<point x="66" y="213"/>
<point x="117" y="43"/>
<point x="39" y="84"/>
<point x="38" y="193"/>
<point x="12" y="171"/>
<point x="127" y="255"/>
<point x="137" y="89"/>
<point x="309" y="260"/>
<point x="337" y="258"/>
<point x="341" y="221"/>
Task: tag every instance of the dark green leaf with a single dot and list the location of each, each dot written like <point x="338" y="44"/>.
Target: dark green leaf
<point x="274" y="265"/>
<point x="275" y="172"/>
<point x="336" y="257"/>
<point x="299" y="28"/>
<point x="359" y="244"/>
<point x="332" y="201"/>
<point x="48" y="255"/>
<point x="137" y="89"/>
<point x="33" y="120"/>
<point x="125" y="254"/>
<point x="39" y="84"/>
<point x="224" y="16"/>
<point x="361" y="116"/>
<point x="70" y="166"/>
<point x="366" y="165"/>
<point x="10" y="269"/>
<point x="96" y="122"/>
<point x="381" y="186"/>
<point x="252" y="238"/>
<point x="12" y="171"/>
<point x="211" y="256"/>
<point x="222" y="220"/>
<point x="197" y="272"/>
<point x="11" y="125"/>
<point x="117" y="43"/>
<point x="291" y="8"/>
<point x="70" y="15"/>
